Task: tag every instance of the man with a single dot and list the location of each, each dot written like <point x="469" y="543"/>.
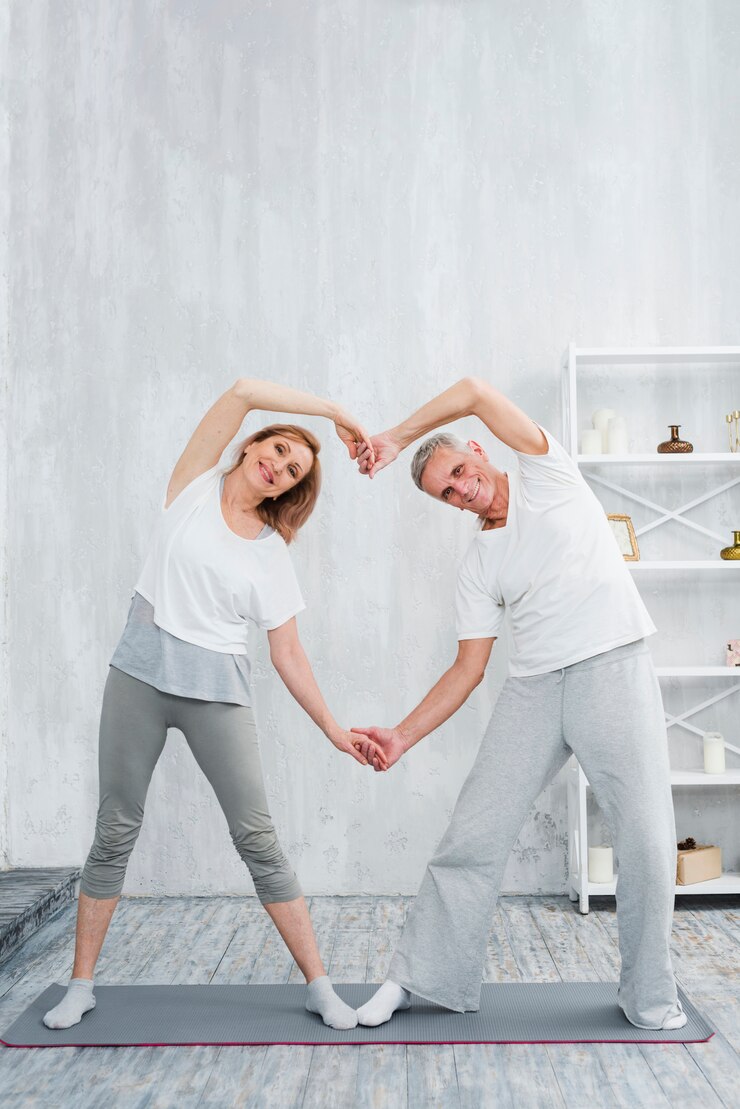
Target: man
<point x="581" y="681"/>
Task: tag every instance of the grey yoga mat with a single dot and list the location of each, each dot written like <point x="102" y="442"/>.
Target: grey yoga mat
<point x="510" y="1012"/>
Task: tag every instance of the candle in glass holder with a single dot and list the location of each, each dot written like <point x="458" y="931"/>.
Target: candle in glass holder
<point x="600" y="864"/>
<point x="591" y="441"/>
<point x="600" y="420"/>
<point x="616" y="434"/>
<point x="714" y="753"/>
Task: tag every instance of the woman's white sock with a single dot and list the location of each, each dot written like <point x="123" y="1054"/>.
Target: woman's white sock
<point x="333" y="1011"/>
<point x="77" y="1001"/>
<point x="383" y="1004"/>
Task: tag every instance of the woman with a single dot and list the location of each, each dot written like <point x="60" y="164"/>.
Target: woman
<point x="219" y="558"/>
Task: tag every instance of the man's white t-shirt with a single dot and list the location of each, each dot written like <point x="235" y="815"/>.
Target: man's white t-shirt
<point x="205" y="581"/>
<point x="555" y="567"/>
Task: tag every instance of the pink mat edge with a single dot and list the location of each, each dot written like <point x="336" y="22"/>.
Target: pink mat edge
<point x="360" y="1043"/>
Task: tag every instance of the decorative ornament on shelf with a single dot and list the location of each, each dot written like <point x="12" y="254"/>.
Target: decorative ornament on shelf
<point x="600" y="420"/>
<point x="730" y="419"/>
<point x="697" y="862"/>
<point x="616" y="435"/>
<point x="600" y="864"/>
<point x="733" y="652"/>
<point x="733" y="552"/>
<point x="623" y="531"/>
<point x="674" y="445"/>
<point x="714" y="753"/>
<point x="591" y="442"/>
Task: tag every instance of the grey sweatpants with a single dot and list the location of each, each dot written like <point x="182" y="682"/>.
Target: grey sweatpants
<point x="607" y="710"/>
<point x="134" y="720"/>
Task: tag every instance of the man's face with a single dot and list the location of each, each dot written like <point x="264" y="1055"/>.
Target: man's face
<point x="463" y="479"/>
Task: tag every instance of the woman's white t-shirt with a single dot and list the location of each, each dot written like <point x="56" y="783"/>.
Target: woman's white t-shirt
<point x="555" y="567"/>
<point x="205" y="581"/>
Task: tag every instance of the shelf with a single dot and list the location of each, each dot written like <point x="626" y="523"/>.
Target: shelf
<point x="698" y="672"/>
<point x="723" y="565"/>
<point x="728" y="883"/>
<point x="607" y="459"/>
<point x="637" y="479"/>
<point x="699" y="778"/>
<point x="651" y="356"/>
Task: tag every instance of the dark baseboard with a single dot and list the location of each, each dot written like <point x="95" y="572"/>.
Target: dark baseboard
<point x="29" y="898"/>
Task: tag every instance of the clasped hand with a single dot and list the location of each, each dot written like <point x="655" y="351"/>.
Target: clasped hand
<point x="381" y="747"/>
<point x="371" y="452"/>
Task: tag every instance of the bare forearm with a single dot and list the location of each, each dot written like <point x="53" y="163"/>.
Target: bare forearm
<point x="268" y="396"/>
<point x="295" y="671"/>
<point x="457" y="401"/>
<point x="444" y="699"/>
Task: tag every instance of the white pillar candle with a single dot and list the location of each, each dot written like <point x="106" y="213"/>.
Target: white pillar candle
<point x="591" y="442"/>
<point x="600" y="420"/>
<point x="600" y="864"/>
<point x="616" y="434"/>
<point x="714" y="753"/>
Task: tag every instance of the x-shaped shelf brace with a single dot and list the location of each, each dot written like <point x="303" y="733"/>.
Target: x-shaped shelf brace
<point x="680" y="719"/>
<point x="667" y="513"/>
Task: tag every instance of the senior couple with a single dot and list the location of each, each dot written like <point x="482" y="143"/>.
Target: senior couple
<point x="580" y="681"/>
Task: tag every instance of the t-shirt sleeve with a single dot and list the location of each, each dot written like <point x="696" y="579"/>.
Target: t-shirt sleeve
<point x="192" y="487"/>
<point x="478" y="614"/>
<point x="554" y="468"/>
<point x="281" y="597"/>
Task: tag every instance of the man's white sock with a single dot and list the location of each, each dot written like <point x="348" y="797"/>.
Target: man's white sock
<point x="383" y="1004"/>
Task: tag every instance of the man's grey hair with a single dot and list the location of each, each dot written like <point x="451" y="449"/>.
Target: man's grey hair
<point x="427" y="449"/>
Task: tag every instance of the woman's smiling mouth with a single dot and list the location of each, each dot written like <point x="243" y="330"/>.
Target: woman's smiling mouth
<point x="266" y="475"/>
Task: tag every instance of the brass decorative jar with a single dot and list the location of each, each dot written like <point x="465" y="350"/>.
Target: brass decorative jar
<point x="674" y="445"/>
<point x="732" y="552"/>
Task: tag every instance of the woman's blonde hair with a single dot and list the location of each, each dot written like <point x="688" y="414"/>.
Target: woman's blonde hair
<point x="288" y="512"/>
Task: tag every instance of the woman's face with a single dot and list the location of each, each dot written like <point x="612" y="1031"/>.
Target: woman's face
<point x="275" y="465"/>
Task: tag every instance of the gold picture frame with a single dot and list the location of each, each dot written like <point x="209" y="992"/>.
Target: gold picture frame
<point x="624" y="532"/>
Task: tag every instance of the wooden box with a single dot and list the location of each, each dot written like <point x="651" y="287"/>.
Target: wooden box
<point x="699" y="864"/>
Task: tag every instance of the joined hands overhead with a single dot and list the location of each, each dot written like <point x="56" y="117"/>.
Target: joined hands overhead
<point x="353" y="435"/>
<point x="377" y="452"/>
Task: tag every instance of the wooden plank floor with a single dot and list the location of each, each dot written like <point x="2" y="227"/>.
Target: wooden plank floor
<point x="231" y="940"/>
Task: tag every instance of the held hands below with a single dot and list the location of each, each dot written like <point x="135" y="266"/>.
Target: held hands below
<point x="381" y="747"/>
<point x="377" y="452"/>
<point x="347" y="743"/>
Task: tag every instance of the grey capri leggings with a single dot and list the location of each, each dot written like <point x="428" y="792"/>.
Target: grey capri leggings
<point x="223" y="738"/>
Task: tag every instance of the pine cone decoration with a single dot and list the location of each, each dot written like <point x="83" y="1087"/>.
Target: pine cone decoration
<point x="687" y="844"/>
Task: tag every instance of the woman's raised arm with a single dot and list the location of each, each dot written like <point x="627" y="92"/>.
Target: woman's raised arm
<point x="224" y="418"/>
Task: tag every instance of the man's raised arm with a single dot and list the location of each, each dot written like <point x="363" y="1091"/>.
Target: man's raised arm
<point x="471" y="396"/>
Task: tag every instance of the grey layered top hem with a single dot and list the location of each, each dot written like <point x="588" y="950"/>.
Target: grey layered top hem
<point x="172" y="665"/>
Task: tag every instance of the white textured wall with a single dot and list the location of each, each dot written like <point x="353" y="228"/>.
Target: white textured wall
<point x="365" y="199"/>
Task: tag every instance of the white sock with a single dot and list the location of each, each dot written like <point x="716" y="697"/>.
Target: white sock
<point x="333" y="1011"/>
<point x="77" y="1001"/>
<point x="383" y="1004"/>
<point x="678" y="1021"/>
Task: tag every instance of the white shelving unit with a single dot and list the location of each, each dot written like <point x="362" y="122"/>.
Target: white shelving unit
<point x="594" y="468"/>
